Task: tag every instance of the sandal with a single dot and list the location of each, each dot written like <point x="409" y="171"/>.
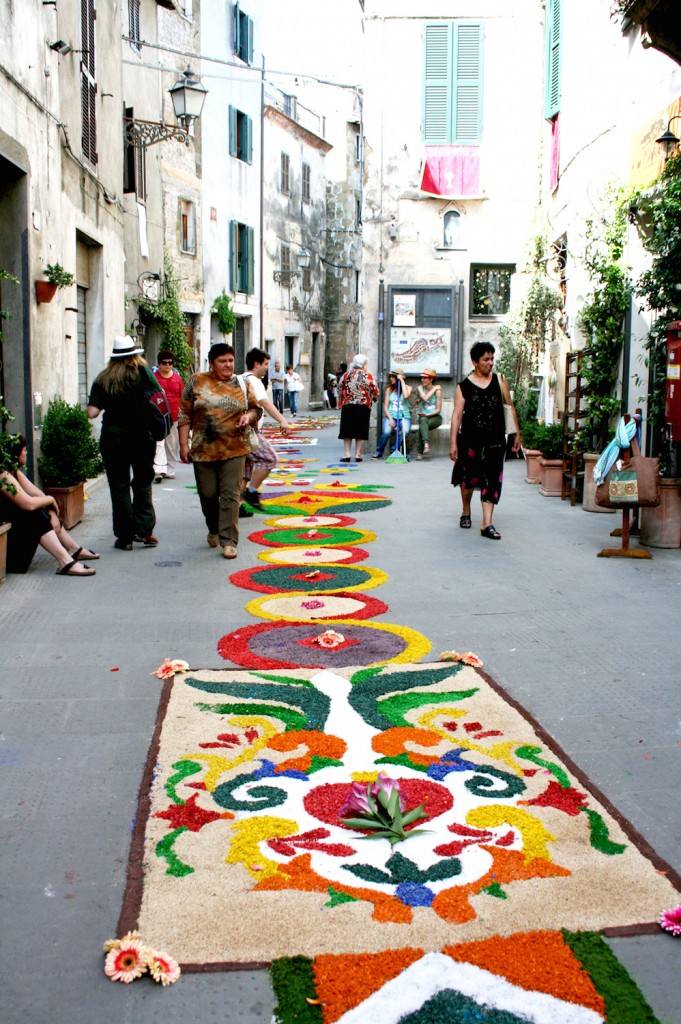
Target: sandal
<point x="84" y="555"/>
<point x="67" y="570"/>
<point x="465" y="522"/>
<point x="344" y="460"/>
<point x="490" y="533"/>
<point x="357" y="459"/>
<point x="419" y="457"/>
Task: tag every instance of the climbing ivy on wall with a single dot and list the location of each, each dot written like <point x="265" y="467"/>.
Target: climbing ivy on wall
<point x="167" y="313"/>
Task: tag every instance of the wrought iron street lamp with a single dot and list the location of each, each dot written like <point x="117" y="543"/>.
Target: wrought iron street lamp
<point x="668" y="139"/>
<point x="188" y="96"/>
<point x="303" y="260"/>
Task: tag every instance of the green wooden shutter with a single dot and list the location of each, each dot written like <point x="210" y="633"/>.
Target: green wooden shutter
<point x="234" y="256"/>
<point x="553" y="58"/>
<point x="248" y="141"/>
<point x="249" y="41"/>
<point x="467" y="124"/>
<point x="250" y="261"/>
<point x="232" y="132"/>
<point x="437" y="84"/>
<point x="237" y="28"/>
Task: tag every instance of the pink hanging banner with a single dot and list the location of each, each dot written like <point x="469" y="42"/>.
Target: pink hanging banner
<point x="554" y="169"/>
<point x="451" y="172"/>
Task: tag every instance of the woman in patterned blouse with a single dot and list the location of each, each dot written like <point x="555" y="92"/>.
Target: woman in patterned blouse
<point x="218" y="411"/>
<point x="357" y="391"/>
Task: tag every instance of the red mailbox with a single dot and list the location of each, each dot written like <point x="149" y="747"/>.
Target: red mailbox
<point x="673" y="406"/>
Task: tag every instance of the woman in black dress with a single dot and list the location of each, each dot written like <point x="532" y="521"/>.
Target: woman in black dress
<point x="478" y="450"/>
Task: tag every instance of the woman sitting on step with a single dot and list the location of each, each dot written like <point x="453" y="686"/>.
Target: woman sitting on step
<point x="429" y="410"/>
<point x="34" y="520"/>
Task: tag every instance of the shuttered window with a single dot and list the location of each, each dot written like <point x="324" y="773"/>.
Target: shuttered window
<point x="285" y="178"/>
<point x="306" y="183"/>
<point x="240" y="135"/>
<point x="88" y="82"/>
<point x="241" y="257"/>
<point x="134" y="165"/>
<point x="134" y="24"/>
<point x="243" y="35"/>
<point x="553" y="58"/>
<point x="452" y="84"/>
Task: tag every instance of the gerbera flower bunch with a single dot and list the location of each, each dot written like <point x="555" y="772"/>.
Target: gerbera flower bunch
<point x="129" y="958"/>
<point x="468" y="658"/>
<point x="671" y="921"/>
<point x="329" y="639"/>
<point x="379" y="808"/>
<point x="170" y="667"/>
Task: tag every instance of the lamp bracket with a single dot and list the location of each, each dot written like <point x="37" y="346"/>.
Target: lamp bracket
<point x="146" y="133"/>
<point x="284" y="276"/>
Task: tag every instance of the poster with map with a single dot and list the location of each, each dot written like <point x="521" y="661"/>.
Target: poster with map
<point x="412" y="349"/>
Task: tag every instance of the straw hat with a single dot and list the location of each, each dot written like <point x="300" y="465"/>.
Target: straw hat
<point x="123" y="347"/>
<point x="428" y="372"/>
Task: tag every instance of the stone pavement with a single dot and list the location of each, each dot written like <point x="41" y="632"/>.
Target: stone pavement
<point x="589" y="646"/>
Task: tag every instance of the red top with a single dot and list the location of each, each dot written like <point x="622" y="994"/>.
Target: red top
<point x="173" y="387"/>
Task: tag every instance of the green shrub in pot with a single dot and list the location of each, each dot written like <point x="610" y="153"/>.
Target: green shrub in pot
<point x="69" y="450"/>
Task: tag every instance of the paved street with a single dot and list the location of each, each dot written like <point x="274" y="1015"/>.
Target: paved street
<point x="588" y="646"/>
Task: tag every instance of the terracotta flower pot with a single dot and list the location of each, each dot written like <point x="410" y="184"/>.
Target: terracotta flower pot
<point x="589" y="498"/>
<point x="71" y="502"/>
<point x="45" y="291"/>
<point x="551" y="485"/>
<point x="661" y="526"/>
<point x="532" y="467"/>
<point x="4" y="527"/>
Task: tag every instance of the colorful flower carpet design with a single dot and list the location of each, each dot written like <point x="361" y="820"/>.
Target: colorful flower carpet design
<point x="545" y="977"/>
<point x="240" y="843"/>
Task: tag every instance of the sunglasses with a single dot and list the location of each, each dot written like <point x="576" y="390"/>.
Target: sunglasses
<point x="165" y="362"/>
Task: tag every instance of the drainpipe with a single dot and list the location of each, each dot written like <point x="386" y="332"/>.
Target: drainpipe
<point x="381" y="359"/>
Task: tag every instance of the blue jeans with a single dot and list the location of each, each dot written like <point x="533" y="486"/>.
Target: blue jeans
<point x="278" y="398"/>
<point x="293" y="402"/>
<point x="401" y="428"/>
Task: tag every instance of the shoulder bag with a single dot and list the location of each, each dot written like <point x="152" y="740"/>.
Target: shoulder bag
<point x="509" y="419"/>
<point x="631" y="483"/>
<point x="156" y="409"/>
<point x="250" y="435"/>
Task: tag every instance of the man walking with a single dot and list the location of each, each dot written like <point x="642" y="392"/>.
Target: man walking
<point x="277" y="382"/>
<point x="261" y="463"/>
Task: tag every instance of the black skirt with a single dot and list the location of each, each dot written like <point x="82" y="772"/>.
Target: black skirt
<point x="354" y="422"/>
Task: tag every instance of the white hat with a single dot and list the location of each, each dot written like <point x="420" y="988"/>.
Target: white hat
<point x="123" y="347"/>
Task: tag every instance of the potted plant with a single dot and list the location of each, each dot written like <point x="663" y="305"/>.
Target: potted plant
<point x="69" y="456"/>
<point x="222" y="307"/>
<point x="529" y="432"/>
<point x="549" y="441"/>
<point x="57" y="277"/>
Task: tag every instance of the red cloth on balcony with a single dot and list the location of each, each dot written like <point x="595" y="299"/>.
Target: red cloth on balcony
<point x="555" y="153"/>
<point x="451" y="171"/>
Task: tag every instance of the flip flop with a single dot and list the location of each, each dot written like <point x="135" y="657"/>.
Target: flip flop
<point x="84" y="555"/>
<point x="67" y="570"/>
<point x="344" y="460"/>
<point x="358" y="460"/>
<point x="490" y="533"/>
<point x="465" y="522"/>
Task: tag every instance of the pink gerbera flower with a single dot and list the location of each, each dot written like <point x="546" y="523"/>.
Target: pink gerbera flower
<point x="117" y="943"/>
<point x="162" y="967"/>
<point x="329" y="639"/>
<point x="671" y="921"/>
<point x="127" y="962"/>
<point x="170" y="668"/>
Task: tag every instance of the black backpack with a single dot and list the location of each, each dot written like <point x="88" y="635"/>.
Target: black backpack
<point x="157" y="410"/>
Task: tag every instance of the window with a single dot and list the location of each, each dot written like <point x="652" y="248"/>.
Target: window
<point x="187" y="226"/>
<point x="306" y="183"/>
<point x="490" y="289"/>
<point x="240" y="135"/>
<point x="358" y="212"/>
<point x="243" y="35"/>
<point x="285" y="179"/>
<point x="88" y="82"/>
<point x="307" y="279"/>
<point x="452" y="84"/>
<point x="285" y="260"/>
<point x="553" y="61"/>
<point x="134" y="165"/>
<point x="241" y="257"/>
<point x="290" y="106"/>
<point x="134" y="24"/>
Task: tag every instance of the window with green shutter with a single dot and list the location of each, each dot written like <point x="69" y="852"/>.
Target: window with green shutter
<point x="241" y="257"/>
<point x="240" y="135"/>
<point x="553" y="58"/>
<point x="452" y="84"/>
<point x="243" y="35"/>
